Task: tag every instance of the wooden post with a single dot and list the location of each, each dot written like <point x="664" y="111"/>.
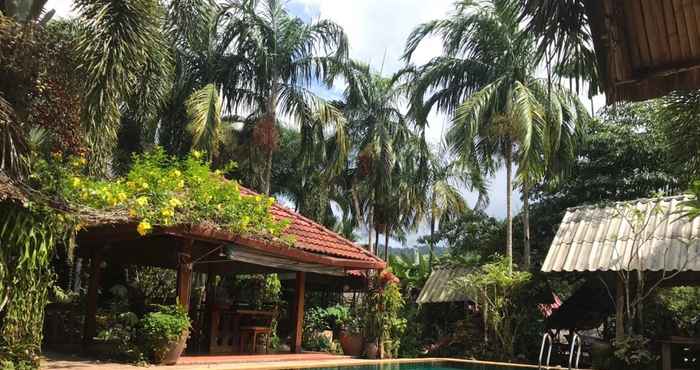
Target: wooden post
<point x="90" y="322"/>
<point x="620" y="309"/>
<point x="298" y="311"/>
<point x="184" y="273"/>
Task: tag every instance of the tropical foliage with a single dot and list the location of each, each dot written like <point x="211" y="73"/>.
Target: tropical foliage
<point x="162" y="190"/>
<point x="503" y="114"/>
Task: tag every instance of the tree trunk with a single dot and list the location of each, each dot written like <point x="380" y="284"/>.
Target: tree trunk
<point x="356" y="203"/>
<point x="376" y="242"/>
<point x="526" y="228"/>
<point x="509" y="207"/>
<point x="386" y="244"/>
<point x="268" y="172"/>
<point x="370" y="228"/>
<point x="432" y="242"/>
<point x="272" y="113"/>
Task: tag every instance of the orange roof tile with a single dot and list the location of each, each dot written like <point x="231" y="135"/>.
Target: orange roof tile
<point x="313" y="237"/>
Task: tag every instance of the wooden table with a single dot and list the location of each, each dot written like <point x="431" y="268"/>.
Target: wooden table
<point x="225" y="326"/>
<point x="667" y="344"/>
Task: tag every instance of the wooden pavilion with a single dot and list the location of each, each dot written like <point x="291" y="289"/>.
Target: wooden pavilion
<point x="316" y="257"/>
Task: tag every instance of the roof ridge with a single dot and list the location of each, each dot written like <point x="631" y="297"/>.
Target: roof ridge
<point x="320" y="227"/>
<point x="631" y="201"/>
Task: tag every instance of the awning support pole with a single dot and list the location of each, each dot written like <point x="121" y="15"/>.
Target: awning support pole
<point x="184" y="273"/>
<point x="90" y="323"/>
<point x="620" y="309"/>
<point x="298" y="312"/>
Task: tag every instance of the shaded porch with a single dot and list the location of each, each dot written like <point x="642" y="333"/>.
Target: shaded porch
<point x="203" y="257"/>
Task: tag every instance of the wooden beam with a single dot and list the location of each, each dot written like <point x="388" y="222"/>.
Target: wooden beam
<point x="620" y="309"/>
<point x="90" y="322"/>
<point x="298" y="312"/>
<point x="184" y="273"/>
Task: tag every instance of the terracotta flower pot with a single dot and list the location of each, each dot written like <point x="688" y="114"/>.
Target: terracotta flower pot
<point x="372" y="350"/>
<point x="351" y="343"/>
<point x="171" y="353"/>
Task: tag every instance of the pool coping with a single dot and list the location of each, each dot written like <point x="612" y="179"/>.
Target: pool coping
<point x="285" y="365"/>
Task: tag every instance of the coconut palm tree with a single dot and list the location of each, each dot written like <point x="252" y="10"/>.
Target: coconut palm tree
<point x="486" y="80"/>
<point x="275" y="59"/>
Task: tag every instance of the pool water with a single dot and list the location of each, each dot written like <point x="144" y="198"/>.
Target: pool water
<point x="419" y="366"/>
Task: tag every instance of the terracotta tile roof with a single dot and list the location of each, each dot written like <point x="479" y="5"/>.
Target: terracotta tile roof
<point x="313" y="237"/>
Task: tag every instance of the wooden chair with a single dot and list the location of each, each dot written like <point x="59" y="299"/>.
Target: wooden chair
<point x="262" y="326"/>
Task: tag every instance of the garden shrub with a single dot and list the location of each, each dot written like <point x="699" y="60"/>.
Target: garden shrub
<point x="159" y="329"/>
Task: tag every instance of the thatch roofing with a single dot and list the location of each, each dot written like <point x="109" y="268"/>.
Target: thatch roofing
<point x="439" y="288"/>
<point x="603" y="238"/>
<point x="645" y="48"/>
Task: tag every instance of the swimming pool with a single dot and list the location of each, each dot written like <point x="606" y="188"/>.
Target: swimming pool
<point x="427" y="365"/>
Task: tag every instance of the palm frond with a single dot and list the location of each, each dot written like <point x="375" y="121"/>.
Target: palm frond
<point x="204" y="111"/>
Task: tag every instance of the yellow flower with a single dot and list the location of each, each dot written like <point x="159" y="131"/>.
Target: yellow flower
<point x="144" y="227"/>
<point x="132" y="212"/>
<point x="121" y="196"/>
<point x="218" y="172"/>
<point x="142" y="201"/>
<point x="197" y="154"/>
<point x="167" y="212"/>
<point x="244" y="221"/>
<point x="258" y="198"/>
<point x="181" y="184"/>
<point x="130" y="184"/>
<point x="177" y="173"/>
<point x="270" y="201"/>
<point x="144" y="185"/>
<point x="174" y="202"/>
<point x="75" y="181"/>
<point x="82" y="161"/>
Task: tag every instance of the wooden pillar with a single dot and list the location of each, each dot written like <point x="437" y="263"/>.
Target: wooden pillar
<point x="90" y="322"/>
<point x="298" y="312"/>
<point x="619" y="309"/>
<point x="184" y="273"/>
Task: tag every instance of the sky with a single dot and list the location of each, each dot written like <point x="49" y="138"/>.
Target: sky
<point x="377" y="31"/>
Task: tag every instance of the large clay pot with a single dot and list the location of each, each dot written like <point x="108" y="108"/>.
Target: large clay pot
<point x="372" y="350"/>
<point x="172" y="352"/>
<point x="351" y="343"/>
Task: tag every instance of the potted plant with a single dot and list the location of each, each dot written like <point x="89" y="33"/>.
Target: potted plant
<point x="351" y="339"/>
<point x="164" y="334"/>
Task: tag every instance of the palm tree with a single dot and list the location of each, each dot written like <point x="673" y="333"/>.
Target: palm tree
<point x="276" y="57"/>
<point x="486" y="80"/>
<point x="380" y="133"/>
<point x="444" y="200"/>
<point x="124" y="60"/>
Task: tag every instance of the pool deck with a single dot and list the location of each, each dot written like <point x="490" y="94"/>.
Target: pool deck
<point x="256" y="362"/>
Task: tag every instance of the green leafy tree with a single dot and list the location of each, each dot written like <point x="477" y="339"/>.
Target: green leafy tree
<point x="486" y="79"/>
<point x="278" y="57"/>
<point x="382" y="140"/>
<point x="121" y="47"/>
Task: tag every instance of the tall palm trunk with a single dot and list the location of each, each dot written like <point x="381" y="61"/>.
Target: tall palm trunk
<point x="432" y="241"/>
<point x="526" y="227"/>
<point x="386" y="243"/>
<point x="509" y="206"/>
<point x="370" y="226"/>
<point x="271" y="114"/>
